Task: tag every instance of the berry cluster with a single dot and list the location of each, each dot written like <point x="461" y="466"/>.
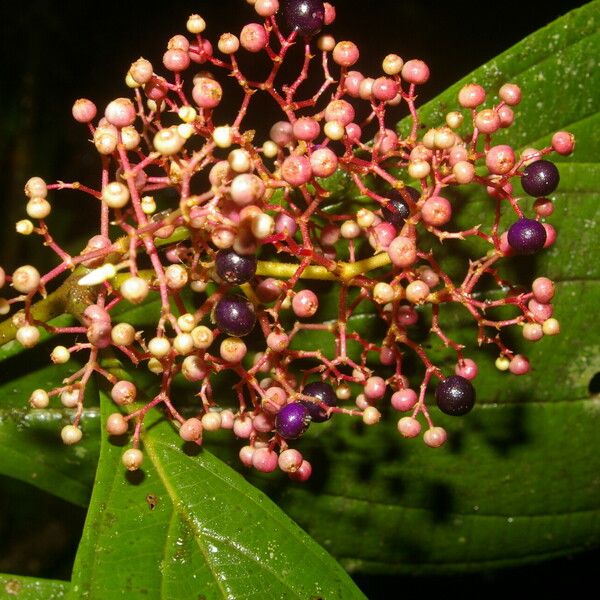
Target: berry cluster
<point x="234" y="236"/>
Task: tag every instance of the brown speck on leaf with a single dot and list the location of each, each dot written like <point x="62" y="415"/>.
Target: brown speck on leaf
<point x="152" y="501"/>
<point x="12" y="587"/>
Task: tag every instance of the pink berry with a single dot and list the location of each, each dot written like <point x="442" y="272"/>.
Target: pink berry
<point x="436" y="211"/>
<point x="505" y="247"/>
<point x="500" y="159"/>
<point x="409" y="427"/>
<point x="519" y="365"/>
<point x="305" y="304"/>
<point x="200" y="54"/>
<point x="471" y="96"/>
<point x="116" y="424"/>
<point x="382" y="235"/>
<point x="281" y="133"/>
<point x="406" y="316"/>
<point x="386" y="141"/>
<point x="246" y="453"/>
<point x="506" y="116"/>
<point x="285" y="224"/>
<point x="207" y="92"/>
<point x="269" y="289"/>
<point x="543" y="289"/>
<point x="306" y="128"/>
<point x="352" y="83"/>
<point x="540" y="311"/>
<point x="387" y="356"/>
<point x="266" y="8"/>
<point x="323" y="162"/>
<point x="303" y="473"/>
<point x="274" y="399"/>
<point x="415" y="71"/>
<point x="417" y="291"/>
<point x="264" y="460"/>
<point x="487" y="121"/>
<point x="278" y="341"/>
<point x="84" y="110"/>
<point x="329" y="13"/>
<point x="345" y="53"/>
<point x="246" y="188"/>
<point x="374" y="388"/>
<point x="466" y="368"/>
<point x="296" y="170"/>
<point x="550" y="235"/>
<point x="339" y="110"/>
<point x="510" y="93"/>
<point x="290" y="460"/>
<point x="156" y="88"/>
<point x="243" y="427"/>
<point x="563" y="142"/>
<point x="385" y="88"/>
<point x="404" y="400"/>
<point x="123" y="392"/>
<point x="176" y="60"/>
<point x="191" y="430"/>
<point x="402" y="251"/>
<point x="263" y="423"/>
<point x="435" y="437"/>
<point x="253" y="37"/>
<point x="354" y="132"/>
<point x="532" y="332"/>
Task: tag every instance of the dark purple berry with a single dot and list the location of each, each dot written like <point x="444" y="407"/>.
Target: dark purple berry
<point x="396" y="211"/>
<point x="526" y="236"/>
<point x="292" y="421"/>
<point x="234" y="268"/>
<point x="322" y="392"/>
<point x="455" y="396"/>
<point x="235" y="315"/>
<point x="540" y="178"/>
<point x="306" y="16"/>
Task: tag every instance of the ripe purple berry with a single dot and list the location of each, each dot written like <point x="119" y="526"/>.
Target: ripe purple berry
<point x="235" y="315"/>
<point x="540" y="178"/>
<point x="396" y="210"/>
<point x="526" y="236"/>
<point x="235" y="268"/>
<point x="306" y="16"/>
<point x="322" y="392"/>
<point x="292" y="421"/>
<point x="455" y="396"/>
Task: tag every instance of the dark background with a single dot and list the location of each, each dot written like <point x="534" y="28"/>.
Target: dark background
<point x="52" y="55"/>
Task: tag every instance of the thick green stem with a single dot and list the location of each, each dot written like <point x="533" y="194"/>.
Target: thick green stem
<point x="68" y="298"/>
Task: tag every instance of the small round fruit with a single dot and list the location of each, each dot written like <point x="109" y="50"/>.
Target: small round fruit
<point x="235" y="315"/>
<point x="540" y="178"/>
<point x="132" y="459"/>
<point x="292" y="421"/>
<point x="455" y="395"/>
<point x="396" y="210"/>
<point x="235" y="268"/>
<point x="526" y="236"/>
<point x="306" y="16"/>
<point x="322" y="392"/>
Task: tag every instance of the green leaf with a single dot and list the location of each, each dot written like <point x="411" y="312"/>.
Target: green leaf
<point x="517" y="481"/>
<point x="32" y="450"/>
<point x="187" y="526"/>
<point x="31" y="588"/>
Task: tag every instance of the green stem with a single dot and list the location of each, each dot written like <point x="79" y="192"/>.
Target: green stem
<point x="68" y="298"/>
